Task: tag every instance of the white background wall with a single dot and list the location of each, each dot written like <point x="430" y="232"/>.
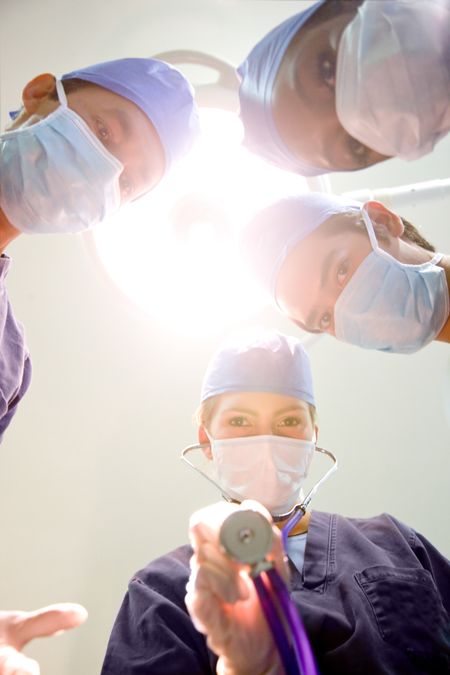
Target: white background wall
<point x="91" y="487"/>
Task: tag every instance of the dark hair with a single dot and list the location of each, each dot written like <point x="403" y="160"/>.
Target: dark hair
<point x="413" y="235"/>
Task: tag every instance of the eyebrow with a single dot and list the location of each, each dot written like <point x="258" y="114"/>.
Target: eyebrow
<point x="240" y="410"/>
<point x="291" y="408"/>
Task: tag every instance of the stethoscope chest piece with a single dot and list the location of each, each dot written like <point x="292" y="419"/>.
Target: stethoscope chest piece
<point x="246" y="536"/>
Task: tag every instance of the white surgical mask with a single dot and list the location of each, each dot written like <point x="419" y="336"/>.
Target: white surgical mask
<point x="392" y="306"/>
<point x="270" y="469"/>
<point x="393" y="76"/>
<point x="55" y="175"/>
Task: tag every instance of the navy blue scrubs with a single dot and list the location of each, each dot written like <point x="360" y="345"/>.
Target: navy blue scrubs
<point x="374" y="596"/>
<point x="15" y="365"/>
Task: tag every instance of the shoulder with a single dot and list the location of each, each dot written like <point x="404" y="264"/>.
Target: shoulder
<point x="166" y="575"/>
<point x="379" y="529"/>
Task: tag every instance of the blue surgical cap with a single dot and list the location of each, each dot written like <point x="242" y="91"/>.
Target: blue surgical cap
<point x="160" y="91"/>
<point x="258" y="73"/>
<point x="268" y="362"/>
<point x="275" y="231"/>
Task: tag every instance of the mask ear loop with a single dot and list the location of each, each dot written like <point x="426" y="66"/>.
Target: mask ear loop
<point x="370" y="229"/>
<point x="376" y="247"/>
<point x="62" y="98"/>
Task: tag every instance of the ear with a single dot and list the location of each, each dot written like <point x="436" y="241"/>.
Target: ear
<point x="316" y="429"/>
<point x="381" y="215"/>
<point x="39" y="91"/>
<point x="204" y="440"/>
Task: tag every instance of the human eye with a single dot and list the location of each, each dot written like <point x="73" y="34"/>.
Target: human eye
<point x="126" y="186"/>
<point x="341" y="273"/>
<point x="358" y="151"/>
<point x="102" y="130"/>
<point x="325" y="321"/>
<point x="290" y="421"/>
<point x="238" y="421"/>
<point x="327" y="69"/>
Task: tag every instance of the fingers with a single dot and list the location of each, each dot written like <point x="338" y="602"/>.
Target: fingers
<point x="213" y="571"/>
<point x="205" y="524"/>
<point x="43" y="622"/>
<point x="13" y="662"/>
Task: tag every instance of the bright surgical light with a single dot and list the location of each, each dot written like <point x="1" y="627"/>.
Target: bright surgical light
<point x="174" y="251"/>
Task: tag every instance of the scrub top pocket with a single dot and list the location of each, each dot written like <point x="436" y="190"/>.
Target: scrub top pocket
<point x="409" y="613"/>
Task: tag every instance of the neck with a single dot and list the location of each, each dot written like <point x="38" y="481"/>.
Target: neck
<point x="444" y="335"/>
<point x="300" y="528"/>
<point x="7" y="232"/>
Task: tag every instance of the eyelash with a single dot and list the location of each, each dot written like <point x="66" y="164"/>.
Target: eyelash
<point x="327" y="65"/>
<point x="101" y="128"/>
<point x="342" y="270"/>
<point x="325" y="319"/>
<point x="104" y="135"/>
<point x="358" y="151"/>
<point x="126" y="186"/>
<point x="239" y="421"/>
<point x="297" y="421"/>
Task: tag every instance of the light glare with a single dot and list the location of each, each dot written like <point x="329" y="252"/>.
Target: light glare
<point x="174" y="251"/>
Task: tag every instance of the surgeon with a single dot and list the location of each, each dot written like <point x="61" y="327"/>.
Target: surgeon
<point x="80" y="147"/>
<point x="359" y="272"/>
<point x="373" y="593"/>
<point x="345" y="84"/>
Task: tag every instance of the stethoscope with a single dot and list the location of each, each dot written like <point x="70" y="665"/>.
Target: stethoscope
<point x="246" y="536"/>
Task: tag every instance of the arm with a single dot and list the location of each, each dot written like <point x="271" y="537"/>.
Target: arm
<point x="15" y="365"/>
<point x="6" y="418"/>
<point x="222" y="599"/>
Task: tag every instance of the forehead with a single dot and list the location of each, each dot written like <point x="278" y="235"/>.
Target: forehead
<point x="257" y="402"/>
<point x="306" y="257"/>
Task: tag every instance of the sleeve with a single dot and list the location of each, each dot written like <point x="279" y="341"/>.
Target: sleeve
<point x="153" y="633"/>
<point x="12" y="406"/>
<point x="15" y="365"/>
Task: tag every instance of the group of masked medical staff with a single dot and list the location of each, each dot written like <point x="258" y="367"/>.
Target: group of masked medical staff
<point x="339" y="86"/>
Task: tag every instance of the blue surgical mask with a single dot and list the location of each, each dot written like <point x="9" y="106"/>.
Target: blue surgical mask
<point x="270" y="469"/>
<point x="393" y="76"/>
<point x="55" y="175"/>
<point x="392" y="306"/>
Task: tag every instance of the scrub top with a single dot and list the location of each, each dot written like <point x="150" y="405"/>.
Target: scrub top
<point x="374" y="596"/>
<point x="15" y="364"/>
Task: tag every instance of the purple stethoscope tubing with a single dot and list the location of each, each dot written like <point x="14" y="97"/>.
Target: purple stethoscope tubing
<point x="297" y="658"/>
<point x="284" y="648"/>
<point x="302" y="648"/>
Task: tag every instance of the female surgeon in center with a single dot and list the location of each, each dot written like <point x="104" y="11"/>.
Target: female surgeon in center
<point x="374" y="594"/>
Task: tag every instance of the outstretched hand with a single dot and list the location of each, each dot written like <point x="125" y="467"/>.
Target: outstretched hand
<point x="19" y="628"/>
<point x="222" y="600"/>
